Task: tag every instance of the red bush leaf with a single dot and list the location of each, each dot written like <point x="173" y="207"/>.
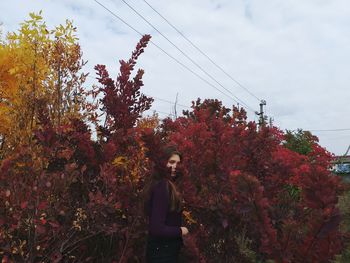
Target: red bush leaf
<point x="43" y="205"/>
<point x="24" y="204"/>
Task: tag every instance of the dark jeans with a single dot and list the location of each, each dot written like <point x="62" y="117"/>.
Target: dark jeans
<point x="163" y="250"/>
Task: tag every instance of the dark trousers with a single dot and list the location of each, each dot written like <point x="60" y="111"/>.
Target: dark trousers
<point x="163" y="250"/>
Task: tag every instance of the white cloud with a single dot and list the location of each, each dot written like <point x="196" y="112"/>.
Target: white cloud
<point x="293" y="53"/>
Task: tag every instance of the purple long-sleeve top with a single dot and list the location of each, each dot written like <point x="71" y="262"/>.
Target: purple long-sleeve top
<point x="162" y="221"/>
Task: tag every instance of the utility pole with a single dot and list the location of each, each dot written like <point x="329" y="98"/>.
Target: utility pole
<point x="175" y="112"/>
<point x="262" y="117"/>
<point x="344" y="156"/>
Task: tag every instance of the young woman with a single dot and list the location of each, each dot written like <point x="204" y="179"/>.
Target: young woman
<point x="163" y="208"/>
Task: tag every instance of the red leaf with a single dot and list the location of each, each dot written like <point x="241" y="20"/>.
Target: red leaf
<point x="54" y="224"/>
<point x="5" y="259"/>
<point x="24" y="204"/>
<point x="55" y="258"/>
<point x="13" y="227"/>
<point x="40" y="229"/>
<point x="117" y="205"/>
<point x="42" y="205"/>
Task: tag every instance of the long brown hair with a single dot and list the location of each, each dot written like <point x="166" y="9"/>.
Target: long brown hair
<point x="160" y="172"/>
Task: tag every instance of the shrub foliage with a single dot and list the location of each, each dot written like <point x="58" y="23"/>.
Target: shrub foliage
<point x="67" y="197"/>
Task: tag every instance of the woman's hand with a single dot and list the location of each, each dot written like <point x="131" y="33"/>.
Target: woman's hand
<point x="184" y="230"/>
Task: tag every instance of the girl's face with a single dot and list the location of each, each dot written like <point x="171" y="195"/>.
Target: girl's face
<point x="173" y="161"/>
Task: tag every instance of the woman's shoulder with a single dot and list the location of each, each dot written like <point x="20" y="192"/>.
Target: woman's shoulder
<point x="160" y="185"/>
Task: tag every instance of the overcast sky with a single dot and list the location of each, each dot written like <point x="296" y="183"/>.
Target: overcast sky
<point x="295" y="54"/>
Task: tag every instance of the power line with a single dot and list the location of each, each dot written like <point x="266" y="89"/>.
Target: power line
<point x="183" y="53"/>
<point x="340" y="160"/>
<point x="329" y="130"/>
<point x="162" y="112"/>
<point x="172" y="57"/>
<point x="202" y="52"/>
<point x="168" y="101"/>
<point x="156" y="98"/>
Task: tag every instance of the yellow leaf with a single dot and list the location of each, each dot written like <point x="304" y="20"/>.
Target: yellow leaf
<point x="188" y="217"/>
<point x="120" y="161"/>
<point x="13" y="71"/>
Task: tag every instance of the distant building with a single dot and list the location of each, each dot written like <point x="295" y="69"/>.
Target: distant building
<point x="341" y="164"/>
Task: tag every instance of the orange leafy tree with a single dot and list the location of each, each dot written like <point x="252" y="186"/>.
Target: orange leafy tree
<point x="37" y="63"/>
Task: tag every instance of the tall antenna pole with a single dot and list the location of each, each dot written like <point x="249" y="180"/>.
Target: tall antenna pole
<point x="261" y="115"/>
<point x="175" y="112"/>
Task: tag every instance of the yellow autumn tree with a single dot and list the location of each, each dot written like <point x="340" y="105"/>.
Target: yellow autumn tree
<point x="38" y="64"/>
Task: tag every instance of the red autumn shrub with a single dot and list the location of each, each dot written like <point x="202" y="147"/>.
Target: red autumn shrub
<point x="248" y="198"/>
<point x="69" y="198"/>
<point x="243" y="180"/>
